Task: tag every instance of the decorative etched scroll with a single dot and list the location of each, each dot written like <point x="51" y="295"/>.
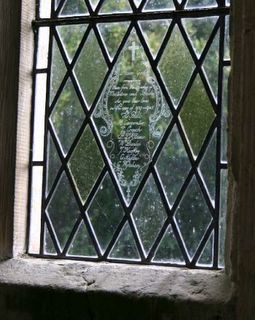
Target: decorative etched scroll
<point x="131" y="116"/>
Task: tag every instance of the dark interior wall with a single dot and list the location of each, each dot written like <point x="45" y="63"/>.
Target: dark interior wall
<point x="26" y="303"/>
<point x="242" y="157"/>
<point x="9" y="76"/>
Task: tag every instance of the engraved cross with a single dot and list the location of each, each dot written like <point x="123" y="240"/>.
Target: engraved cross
<point x="133" y="49"/>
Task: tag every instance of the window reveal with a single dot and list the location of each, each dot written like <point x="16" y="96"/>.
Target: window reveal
<point x="129" y="139"/>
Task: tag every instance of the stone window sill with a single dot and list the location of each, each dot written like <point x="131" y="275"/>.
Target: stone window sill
<point x="110" y="290"/>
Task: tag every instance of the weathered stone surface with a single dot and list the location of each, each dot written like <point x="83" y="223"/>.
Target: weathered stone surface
<point x="112" y="291"/>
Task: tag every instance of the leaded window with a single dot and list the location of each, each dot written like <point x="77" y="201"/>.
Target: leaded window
<point x="128" y="160"/>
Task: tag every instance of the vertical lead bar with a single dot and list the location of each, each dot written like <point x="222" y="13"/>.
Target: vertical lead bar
<point x="37" y="7"/>
<point x="46" y="142"/>
<point x="30" y="189"/>
<point x="218" y="147"/>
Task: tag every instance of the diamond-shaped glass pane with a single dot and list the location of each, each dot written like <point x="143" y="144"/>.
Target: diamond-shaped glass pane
<point x="168" y="250"/>
<point x="206" y="258"/>
<point x="193" y="217"/>
<point x="125" y="246"/>
<point x="197" y="115"/>
<point x="113" y="34"/>
<point x="158" y="5"/>
<point x="58" y="70"/>
<point x="74" y="8"/>
<point x="176" y="65"/>
<point x="105" y="212"/>
<point x="85" y="164"/>
<point x="63" y="210"/>
<point x="90" y="68"/>
<point x="115" y="6"/>
<point x="57" y="2"/>
<point x="199" y="31"/>
<point x="154" y="32"/>
<point x="149" y="214"/>
<point x="208" y="167"/>
<point x="82" y="244"/>
<point x="94" y="3"/>
<point x="211" y="65"/>
<point x="173" y="165"/>
<point x="71" y="36"/>
<point x="137" y="2"/>
<point x="201" y="3"/>
<point x="131" y="116"/>
<point x="67" y="116"/>
<point x="49" y="247"/>
<point x="53" y="163"/>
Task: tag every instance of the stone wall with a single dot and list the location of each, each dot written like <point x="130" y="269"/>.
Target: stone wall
<point x="41" y="289"/>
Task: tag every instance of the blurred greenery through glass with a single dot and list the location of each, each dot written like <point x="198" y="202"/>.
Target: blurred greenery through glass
<point x="105" y="212"/>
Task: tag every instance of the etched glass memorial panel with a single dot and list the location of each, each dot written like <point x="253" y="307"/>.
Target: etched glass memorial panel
<point x="129" y="136"/>
<point x="131" y="116"/>
<point x="154" y="33"/>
